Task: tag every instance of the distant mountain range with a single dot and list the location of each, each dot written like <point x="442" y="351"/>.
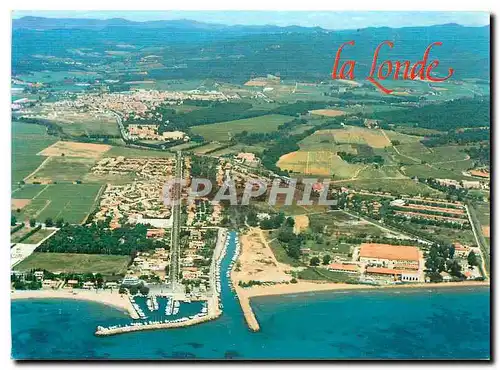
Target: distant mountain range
<point x="41" y="23"/>
<point x="235" y="53"/>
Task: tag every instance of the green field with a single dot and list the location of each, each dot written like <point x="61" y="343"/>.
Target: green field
<point x="68" y="201"/>
<point x="62" y="169"/>
<point x="222" y="131"/>
<point x="76" y="263"/>
<point x="27" y="141"/>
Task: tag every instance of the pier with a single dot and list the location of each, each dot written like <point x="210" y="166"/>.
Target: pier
<point x="250" y="318"/>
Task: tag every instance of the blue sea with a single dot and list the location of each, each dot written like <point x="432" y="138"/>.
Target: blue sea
<point x="396" y="324"/>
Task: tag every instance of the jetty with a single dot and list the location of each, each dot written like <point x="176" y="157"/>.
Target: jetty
<point x="248" y="313"/>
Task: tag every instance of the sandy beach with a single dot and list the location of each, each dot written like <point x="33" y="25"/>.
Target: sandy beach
<point x="114" y="299"/>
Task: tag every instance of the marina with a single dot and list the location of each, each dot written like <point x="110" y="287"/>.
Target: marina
<point x="162" y="311"/>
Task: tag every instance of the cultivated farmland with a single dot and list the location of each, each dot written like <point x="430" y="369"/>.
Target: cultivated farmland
<point x="68" y="201"/>
<point x="223" y="130"/>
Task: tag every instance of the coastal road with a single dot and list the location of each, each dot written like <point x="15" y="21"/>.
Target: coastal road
<point x="482" y="245"/>
<point x="176" y="227"/>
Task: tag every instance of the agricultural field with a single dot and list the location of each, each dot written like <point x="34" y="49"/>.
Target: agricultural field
<point x="427" y="170"/>
<point x="437" y="155"/>
<point x="61" y="170"/>
<point x="88" y="123"/>
<point x="448" y="235"/>
<point x="205" y="149"/>
<point x="19" y="234"/>
<point x="320" y="163"/>
<point x="483" y="215"/>
<point x="222" y="131"/>
<point x="395" y="186"/>
<point x="72" y="202"/>
<point x="357" y="135"/>
<point x="27" y="141"/>
<point x="333" y="224"/>
<point x="327" y="112"/>
<point x="235" y="149"/>
<point x="75" y="149"/>
<point x="32" y="239"/>
<point x="75" y="263"/>
<point x="25" y="193"/>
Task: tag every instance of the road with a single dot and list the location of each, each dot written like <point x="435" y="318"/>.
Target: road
<point x="123" y="131"/>
<point x="482" y="245"/>
<point x="176" y="226"/>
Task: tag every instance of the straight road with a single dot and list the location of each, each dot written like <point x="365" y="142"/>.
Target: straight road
<point x="176" y="227"/>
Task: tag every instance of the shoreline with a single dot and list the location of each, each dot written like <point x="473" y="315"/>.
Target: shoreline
<point x="311" y="287"/>
<point x="245" y="295"/>
<point x="112" y="299"/>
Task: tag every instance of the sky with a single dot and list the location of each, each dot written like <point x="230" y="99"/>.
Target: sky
<point x="333" y="20"/>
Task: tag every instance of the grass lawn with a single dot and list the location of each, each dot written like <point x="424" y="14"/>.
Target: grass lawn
<point x="221" y="131"/>
<point x="74" y="262"/>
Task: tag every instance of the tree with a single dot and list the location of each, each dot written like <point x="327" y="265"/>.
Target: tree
<point x="133" y="290"/>
<point x="13" y="220"/>
<point x="326" y="259"/>
<point x="314" y="261"/>
<point x="59" y="223"/>
<point x="32" y="222"/>
<point x="49" y="222"/>
<point x="472" y="259"/>
<point x="122" y="290"/>
<point x="144" y="290"/>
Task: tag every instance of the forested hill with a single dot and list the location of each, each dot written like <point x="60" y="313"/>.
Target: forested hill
<point x="236" y="52"/>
